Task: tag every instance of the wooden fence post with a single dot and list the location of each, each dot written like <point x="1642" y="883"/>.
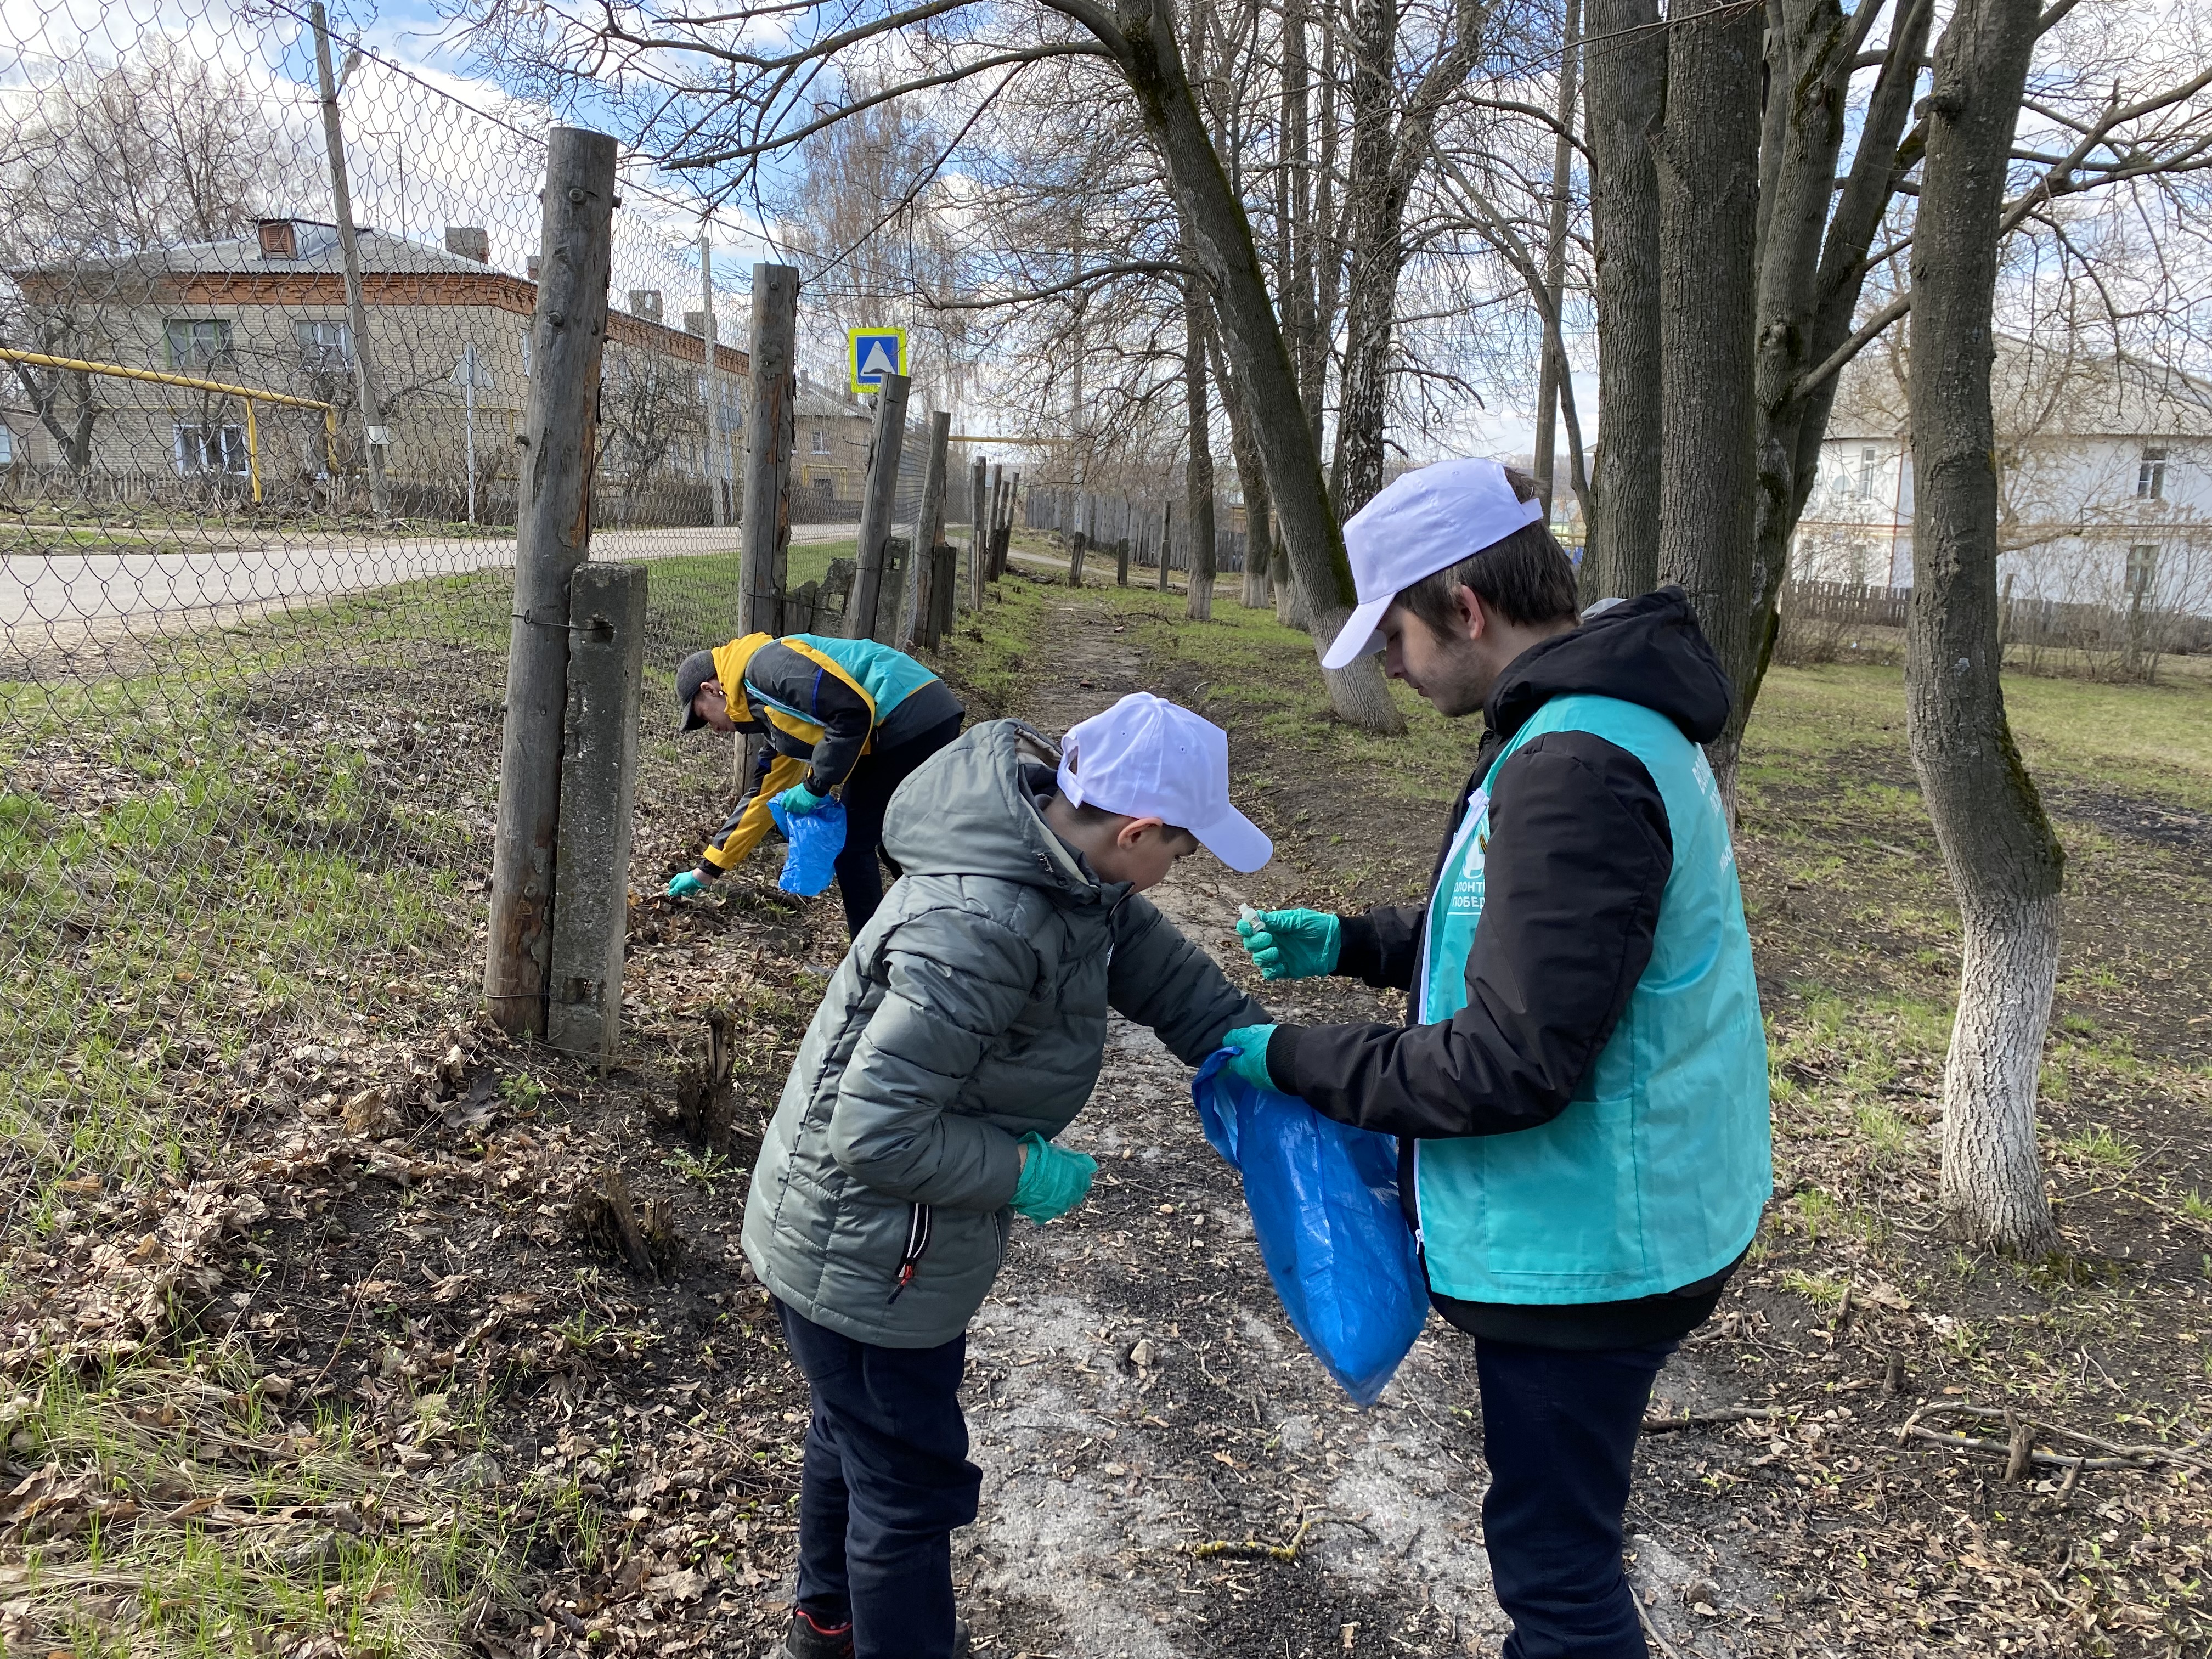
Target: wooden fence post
<point x="1006" y="521"/>
<point x="1121" y="562"/>
<point x="992" y="570"/>
<point x="879" y="500"/>
<point x="1076" y="544"/>
<point x="977" y="570"/>
<point x="771" y="428"/>
<point x="1167" y="542"/>
<point x="553" y="536"/>
<point x="928" y="530"/>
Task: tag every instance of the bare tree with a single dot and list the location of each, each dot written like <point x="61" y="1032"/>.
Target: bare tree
<point x="712" y="101"/>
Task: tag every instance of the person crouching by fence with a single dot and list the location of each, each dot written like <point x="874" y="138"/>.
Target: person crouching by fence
<point x="848" y="715"/>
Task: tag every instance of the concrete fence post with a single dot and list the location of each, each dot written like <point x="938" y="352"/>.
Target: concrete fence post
<point x="598" y="782"/>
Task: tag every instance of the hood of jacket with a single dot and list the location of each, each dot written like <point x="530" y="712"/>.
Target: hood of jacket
<point x="976" y="808"/>
<point x="1649" y="651"/>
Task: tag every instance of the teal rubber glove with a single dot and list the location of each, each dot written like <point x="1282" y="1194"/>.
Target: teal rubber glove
<point x="799" y="800"/>
<point x="685" y="885"/>
<point x="1291" y="944"/>
<point x="1250" y="1042"/>
<point x="1054" y="1180"/>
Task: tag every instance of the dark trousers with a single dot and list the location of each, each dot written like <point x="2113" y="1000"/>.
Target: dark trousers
<point x="1558" y="1429"/>
<point x="884" y="1480"/>
<point x="866" y="793"/>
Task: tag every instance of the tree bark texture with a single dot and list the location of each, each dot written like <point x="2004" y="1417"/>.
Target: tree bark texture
<point x="1624" y="64"/>
<point x="2004" y="862"/>
<point x="1220" y="237"/>
<point x="1707" y="160"/>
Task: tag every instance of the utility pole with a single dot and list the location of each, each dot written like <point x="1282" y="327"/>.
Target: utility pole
<point x="553" y="537"/>
<point x="711" y="454"/>
<point x="374" y="434"/>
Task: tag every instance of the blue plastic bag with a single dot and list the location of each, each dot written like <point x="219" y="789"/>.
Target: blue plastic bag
<point x="1324" y="1202"/>
<point x="816" y="838"/>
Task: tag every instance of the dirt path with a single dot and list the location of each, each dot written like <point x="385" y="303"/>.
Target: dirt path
<point x="1136" y="1390"/>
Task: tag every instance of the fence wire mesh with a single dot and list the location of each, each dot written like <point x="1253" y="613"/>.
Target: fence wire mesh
<point x="259" y="547"/>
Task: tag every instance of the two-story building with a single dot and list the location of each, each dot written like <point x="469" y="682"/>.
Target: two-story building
<point x="2105" y="477"/>
<point x="448" y="346"/>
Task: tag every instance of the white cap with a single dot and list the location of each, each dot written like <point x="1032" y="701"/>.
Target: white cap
<point x="1146" y="758"/>
<point x="1422" y="522"/>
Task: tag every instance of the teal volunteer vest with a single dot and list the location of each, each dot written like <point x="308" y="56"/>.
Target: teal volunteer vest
<point x="1654" y="1174"/>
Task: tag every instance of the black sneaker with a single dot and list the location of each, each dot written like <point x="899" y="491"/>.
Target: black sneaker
<point x="808" y="1639"/>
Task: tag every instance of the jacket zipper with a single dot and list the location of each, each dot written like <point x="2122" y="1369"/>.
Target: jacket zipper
<point x="917" y="1246"/>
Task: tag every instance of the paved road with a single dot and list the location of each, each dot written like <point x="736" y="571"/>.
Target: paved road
<point x="44" y="596"/>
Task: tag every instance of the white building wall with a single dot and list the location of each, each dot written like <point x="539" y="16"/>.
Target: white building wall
<point x="2083" y="518"/>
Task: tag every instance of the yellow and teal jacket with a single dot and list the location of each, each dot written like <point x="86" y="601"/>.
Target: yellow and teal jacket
<point x="823" y="703"/>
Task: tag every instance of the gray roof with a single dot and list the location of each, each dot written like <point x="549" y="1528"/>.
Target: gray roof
<point x="382" y="254"/>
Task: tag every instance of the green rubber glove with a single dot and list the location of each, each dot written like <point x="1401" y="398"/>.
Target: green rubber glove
<point x="799" y="800"/>
<point x="1054" y="1180"/>
<point x="685" y="885"/>
<point x="1291" y="944"/>
<point x="1250" y="1042"/>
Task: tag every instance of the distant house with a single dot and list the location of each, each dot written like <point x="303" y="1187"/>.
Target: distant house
<point x="267" y="310"/>
<point x="830" y="464"/>
<point x="2104" y="481"/>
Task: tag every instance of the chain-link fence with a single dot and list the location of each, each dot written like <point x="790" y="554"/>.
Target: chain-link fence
<point x="256" y="503"/>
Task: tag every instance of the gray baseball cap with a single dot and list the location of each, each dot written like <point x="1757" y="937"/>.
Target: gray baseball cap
<point x="694" y="672"/>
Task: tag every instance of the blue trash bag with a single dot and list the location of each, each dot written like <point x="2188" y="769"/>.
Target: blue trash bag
<point x="816" y="838"/>
<point x="1324" y="1202"/>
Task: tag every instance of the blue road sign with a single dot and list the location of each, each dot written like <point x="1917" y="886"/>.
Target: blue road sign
<point x="874" y="353"/>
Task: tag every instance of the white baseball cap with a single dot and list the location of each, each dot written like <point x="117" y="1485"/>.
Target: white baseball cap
<point x="1147" y="758"/>
<point x="1422" y="522"/>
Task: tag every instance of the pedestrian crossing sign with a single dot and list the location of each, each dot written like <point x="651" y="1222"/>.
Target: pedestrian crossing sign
<point x="874" y="353"/>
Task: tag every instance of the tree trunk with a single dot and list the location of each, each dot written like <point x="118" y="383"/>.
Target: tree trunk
<point x="1707" y="162"/>
<point x="1377" y="259"/>
<point x="2003" y="860"/>
<point x="1221" y="239"/>
<point x="1198" y="473"/>
<point x="1813" y="265"/>
<point x="1624" y="62"/>
<point x="1251" y="479"/>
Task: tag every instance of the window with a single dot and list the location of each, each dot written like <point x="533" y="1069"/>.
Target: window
<point x="197" y="342"/>
<point x="210" y="450"/>
<point x="326" y="348"/>
<point x="523" y="333"/>
<point x="2151" y="477"/>
<point x="1868" y="457"/>
<point x="821" y="441"/>
<point x="2143" y="575"/>
<point x="7" y="447"/>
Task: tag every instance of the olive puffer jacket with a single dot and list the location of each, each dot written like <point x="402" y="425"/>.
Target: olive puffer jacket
<point x="970" y="1010"/>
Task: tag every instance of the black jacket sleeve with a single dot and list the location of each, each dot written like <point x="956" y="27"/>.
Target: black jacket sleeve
<point x="781" y="675"/>
<point x="1579" y="853"/>
<point x="1380" y="946"/>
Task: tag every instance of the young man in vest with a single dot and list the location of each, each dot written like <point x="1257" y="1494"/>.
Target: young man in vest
<point x="848" y="716"/>
<point x="1580" y="1087"/>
